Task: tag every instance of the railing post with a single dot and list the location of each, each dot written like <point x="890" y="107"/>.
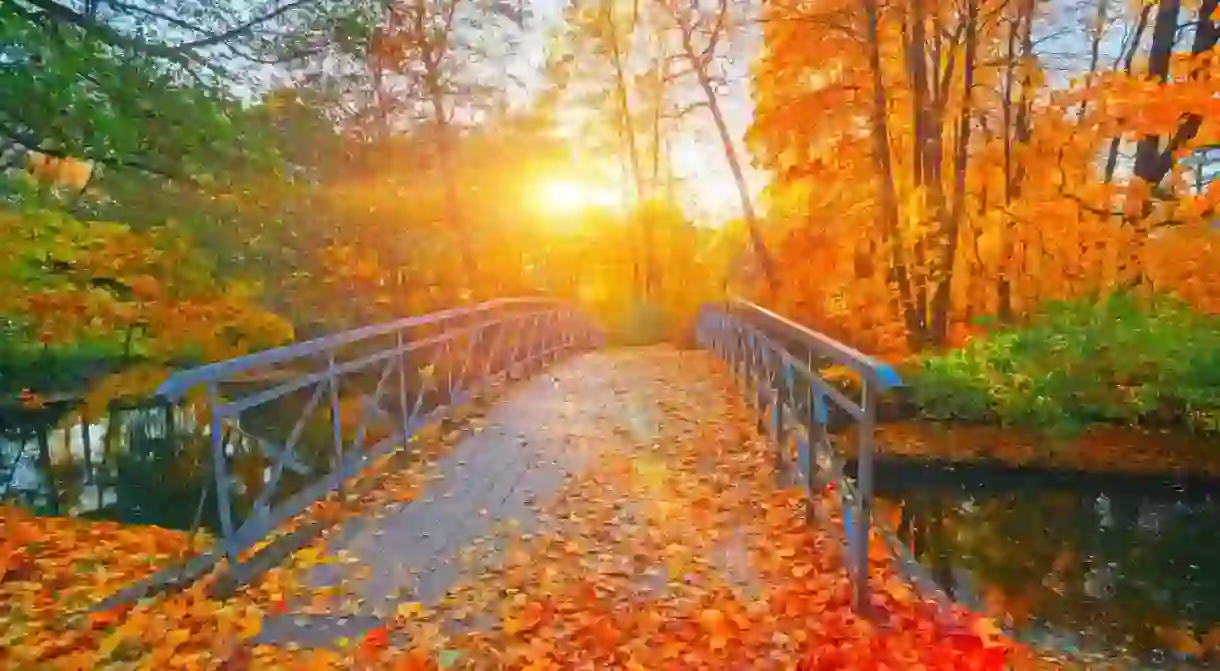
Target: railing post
<point x="221" y="473"/>
<point x="782" y="381"/>
<point x="402" y="388"/>
<point x="332" y="383"/>
<point x="864" y="496"/>
<point x="818" y="416"/>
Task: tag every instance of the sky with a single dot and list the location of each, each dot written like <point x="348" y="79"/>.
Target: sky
<point x="696" y="154"/>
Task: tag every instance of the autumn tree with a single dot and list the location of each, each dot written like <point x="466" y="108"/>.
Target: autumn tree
<point x="702" y="32"/>
<point x="598" y="65"/>
<point x="994" y="181"/>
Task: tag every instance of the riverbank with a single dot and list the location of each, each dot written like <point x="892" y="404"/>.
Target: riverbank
<point x="1099" y="448"/>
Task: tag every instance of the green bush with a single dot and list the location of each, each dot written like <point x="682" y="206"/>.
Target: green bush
<point x="1080" y="362"/>
<point x="53" y="368"/>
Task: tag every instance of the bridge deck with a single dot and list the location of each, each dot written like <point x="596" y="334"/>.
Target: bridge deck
<point x="610" y="503"/>
<point x="608" y="434"/>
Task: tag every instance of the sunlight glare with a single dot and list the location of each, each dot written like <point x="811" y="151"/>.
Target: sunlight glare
<point x="564" y="196"/>
<point x="569" y="196"/>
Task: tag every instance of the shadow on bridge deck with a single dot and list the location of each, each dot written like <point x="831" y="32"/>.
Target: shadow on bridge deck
<point x="588" y="461"/>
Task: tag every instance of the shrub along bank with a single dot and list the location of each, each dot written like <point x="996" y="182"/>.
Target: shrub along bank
<point x="1121" y="360"/>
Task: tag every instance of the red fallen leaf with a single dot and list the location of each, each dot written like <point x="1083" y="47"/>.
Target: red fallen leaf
<point x="277" y="607"/>
<point x="371" y="644"/>
<point x="527" y="618"/>
<point x="605" y="634"/>
<point x="376" y="638"/>
<point x="238" y="661"/>
<point x="413" y="661"/>
<point x="105" y="618"/>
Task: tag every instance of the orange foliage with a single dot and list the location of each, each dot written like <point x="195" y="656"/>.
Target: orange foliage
<point x="1036" y="217"/>
<point x="54" y="171"/>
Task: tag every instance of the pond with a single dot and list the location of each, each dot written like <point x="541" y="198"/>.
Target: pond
<point x="1114" y="564"/>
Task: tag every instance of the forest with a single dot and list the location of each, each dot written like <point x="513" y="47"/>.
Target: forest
<point x="188" y="181"/>
<point x="1011" y="201"/>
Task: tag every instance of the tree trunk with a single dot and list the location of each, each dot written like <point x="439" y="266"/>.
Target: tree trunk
<point x="86" y="448"/>
<point x="1016" y="131"/>
<point x="888" y="229"/>
<point x="453" y="203"/>
<point x="627" y="131"/>
<point x="48" y="472"/>
<point x="739" y="178"/>
<point x="1128" y="65"/>
<point x="1207" y="36"/>
<point x="658" y="105"/>
<point x="922" y="168"/>
<point x="918" y="69"/>
<point x="1094" y="54"/>
<point x="1164" y="36"/>
<point x="941" y="300"/>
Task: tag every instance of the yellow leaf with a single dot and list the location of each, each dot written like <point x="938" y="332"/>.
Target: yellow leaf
<point x="177" y="637"/>
<point x="308" y="557"/>
<point x="511" y="626"/>
<point x="986" y="629"/>
<point x="903" y="595"/>
<point x="249" y="624"/>
<point x="409" y="610"/>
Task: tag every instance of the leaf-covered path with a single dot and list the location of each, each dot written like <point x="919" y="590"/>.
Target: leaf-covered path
<point x="617" y="511"/>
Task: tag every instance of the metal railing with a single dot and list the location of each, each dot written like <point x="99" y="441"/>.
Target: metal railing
<point x="286" y="426"/>
<point x="779" y="363"/>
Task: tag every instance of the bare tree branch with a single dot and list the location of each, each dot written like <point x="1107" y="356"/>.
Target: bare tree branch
<point x="246" y="27"/>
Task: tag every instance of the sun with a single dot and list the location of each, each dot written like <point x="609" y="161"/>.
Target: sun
<point x="564" y="196"/>
<point x="567" y="196"/>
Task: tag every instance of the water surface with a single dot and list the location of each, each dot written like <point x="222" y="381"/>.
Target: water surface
<point x="1116" y="565"/>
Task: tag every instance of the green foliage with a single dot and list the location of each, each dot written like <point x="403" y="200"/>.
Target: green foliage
<point x="51" y="368"/>
<point x="97" y="95"/>
<point x="1120" y="360"/>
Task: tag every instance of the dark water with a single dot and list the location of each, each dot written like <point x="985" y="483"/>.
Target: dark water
<point x="1114" y="565"/>
<point x="130" y="465"/>
<point x="148" y="465"/>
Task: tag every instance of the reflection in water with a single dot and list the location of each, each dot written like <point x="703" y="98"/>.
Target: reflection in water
<point x="1125" y="569"/>
<point x="152" y="465"/>
<point x="139" y="465"/>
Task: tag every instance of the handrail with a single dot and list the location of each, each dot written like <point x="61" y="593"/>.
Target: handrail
<point x="758" y="345"/>
<point x="173" y="388"/>
<point x="400" y="376"/>
<point x="877" y="372"/>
